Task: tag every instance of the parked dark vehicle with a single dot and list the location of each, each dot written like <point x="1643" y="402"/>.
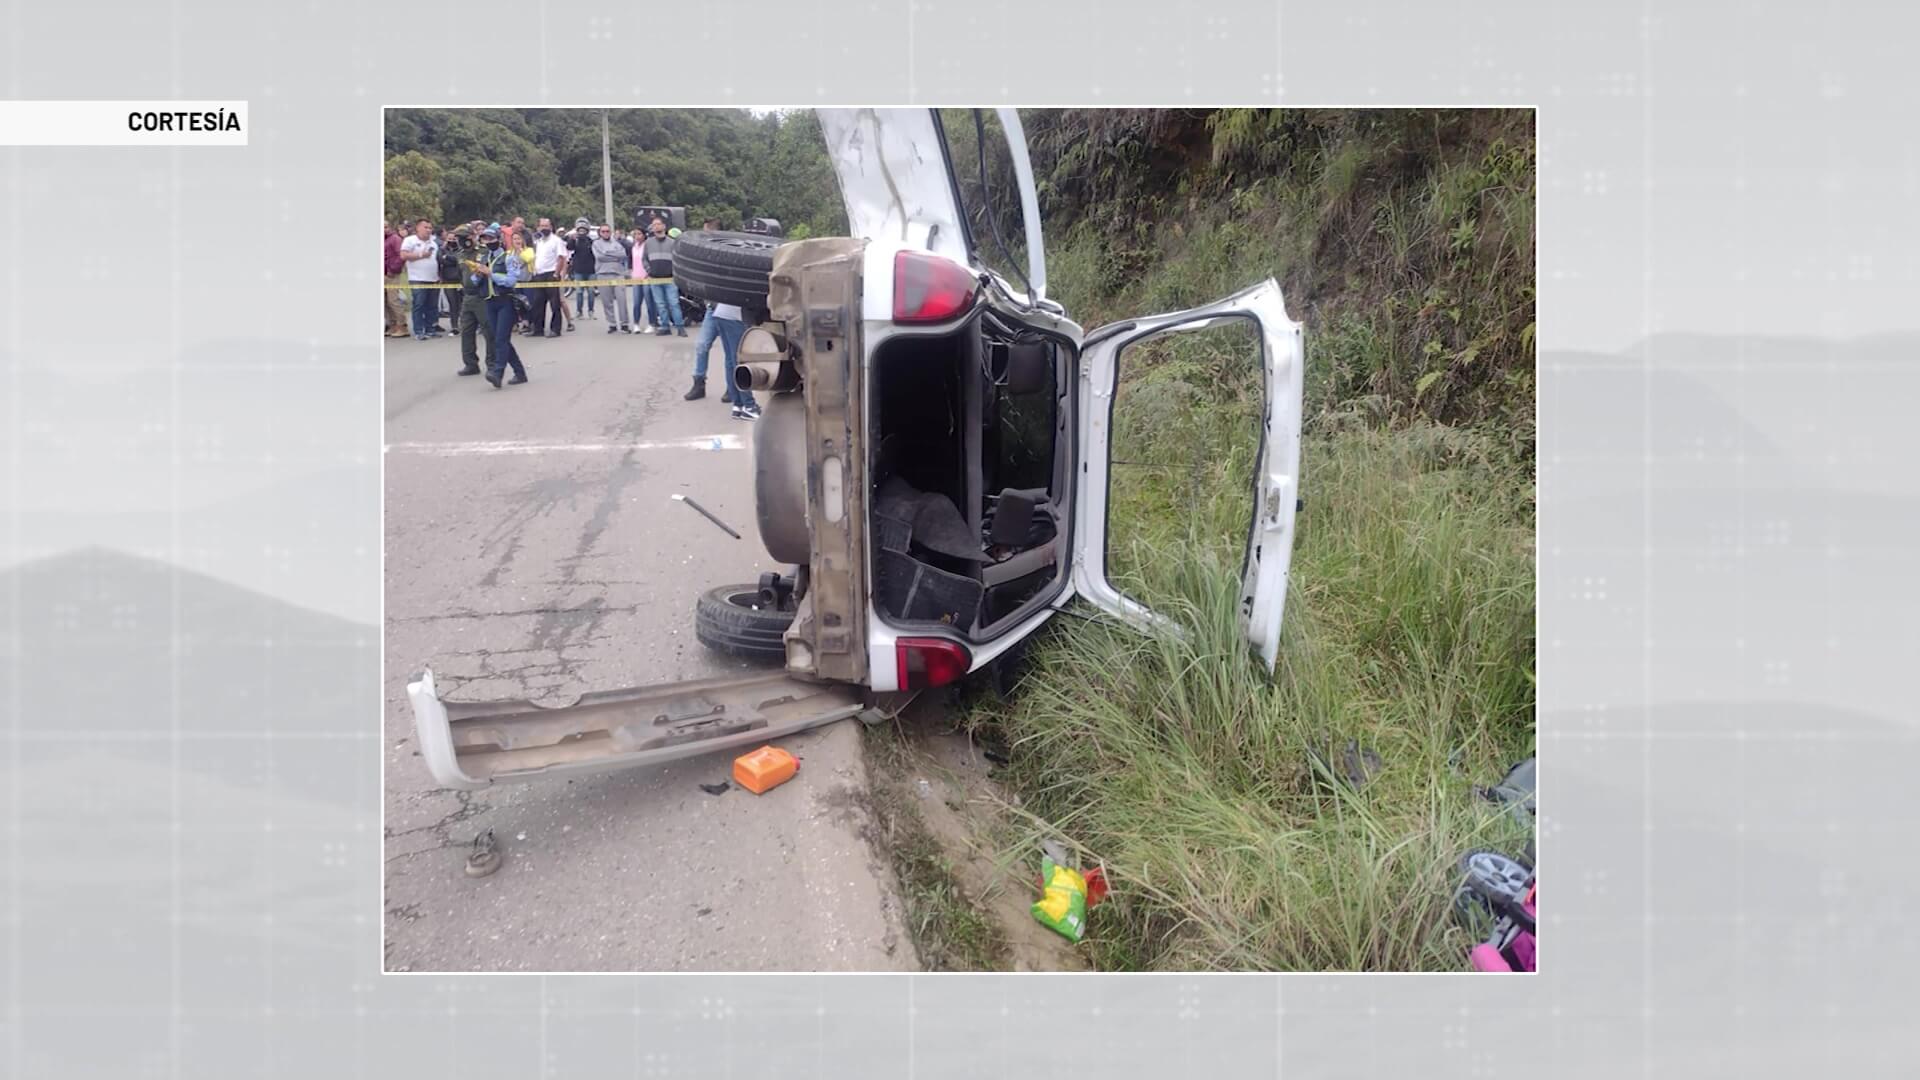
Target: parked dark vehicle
<point x="674" y="216"/>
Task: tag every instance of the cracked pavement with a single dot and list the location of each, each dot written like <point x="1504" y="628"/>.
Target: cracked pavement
<point x="543" y="575"/>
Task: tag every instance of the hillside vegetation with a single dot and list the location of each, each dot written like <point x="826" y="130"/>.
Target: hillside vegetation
<point x="1310" y="820"/>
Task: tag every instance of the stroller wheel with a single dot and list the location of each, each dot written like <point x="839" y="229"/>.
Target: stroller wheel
<point x="1485" y="875"/>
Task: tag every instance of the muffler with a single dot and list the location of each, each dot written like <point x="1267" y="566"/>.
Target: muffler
<point x="774" y="378"/>
<point x="765" y="363"/>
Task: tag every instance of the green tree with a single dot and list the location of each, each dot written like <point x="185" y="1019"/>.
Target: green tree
<point x="412" y="187"/>
<point x="720" y="163"/>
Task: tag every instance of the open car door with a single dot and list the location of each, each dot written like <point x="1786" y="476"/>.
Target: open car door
<point x="1276" y="485"/>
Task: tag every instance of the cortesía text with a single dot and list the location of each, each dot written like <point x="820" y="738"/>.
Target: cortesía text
<point x="217" y="120"/>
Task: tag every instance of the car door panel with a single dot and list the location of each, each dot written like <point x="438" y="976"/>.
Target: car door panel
<point x="1275" y="492"/>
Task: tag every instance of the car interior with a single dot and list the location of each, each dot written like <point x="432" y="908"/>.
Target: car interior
<point x="970" y="474"/>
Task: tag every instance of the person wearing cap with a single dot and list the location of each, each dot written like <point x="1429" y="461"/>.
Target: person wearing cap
<point x="471" y="303"/>
<point x="610" y="265"/>
<point x="495" y="275"/>
<point x="580" y="268"/>
<point x="655" y="256"/>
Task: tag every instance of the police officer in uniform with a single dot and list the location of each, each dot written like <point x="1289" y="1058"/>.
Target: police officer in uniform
<point x="496" y="277"/>
<point x="473" y="304"/>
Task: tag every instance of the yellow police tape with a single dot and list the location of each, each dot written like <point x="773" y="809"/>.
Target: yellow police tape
<point x="587" y="283"/>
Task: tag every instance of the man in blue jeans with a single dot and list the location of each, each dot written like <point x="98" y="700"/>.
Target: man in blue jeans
<point x="657" y="250"/>
<point x="725" y="322"/>
<point x="420" y="254"/>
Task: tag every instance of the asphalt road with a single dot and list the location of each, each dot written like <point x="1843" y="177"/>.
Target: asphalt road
<point x="533" y="550"/>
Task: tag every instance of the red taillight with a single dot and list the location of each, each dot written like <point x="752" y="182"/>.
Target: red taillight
<point x="929" y="662"/>
<point x="928" y="288"/>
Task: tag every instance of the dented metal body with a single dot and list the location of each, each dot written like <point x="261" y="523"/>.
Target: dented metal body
<point x="814" y="294"/>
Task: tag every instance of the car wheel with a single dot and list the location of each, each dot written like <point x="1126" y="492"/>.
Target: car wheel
<point x="732" y="620"/>
<point x="724" y="267"/>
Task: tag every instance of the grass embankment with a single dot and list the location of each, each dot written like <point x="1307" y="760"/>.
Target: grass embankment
<point x="1216" y="796"/>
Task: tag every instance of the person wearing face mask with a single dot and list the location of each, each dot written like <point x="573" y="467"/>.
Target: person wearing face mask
<point x="457" y="247"/>
<point x="610" y="264"/>
<point x="473" y="326"/>
<point x="496" y="275"/>
<point x="549" y="264"/>
<point x="580" y="268"/>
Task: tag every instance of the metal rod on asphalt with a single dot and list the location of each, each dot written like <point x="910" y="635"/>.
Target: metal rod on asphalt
<point x="708" y="514"/>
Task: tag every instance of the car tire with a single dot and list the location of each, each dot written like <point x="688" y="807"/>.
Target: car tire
<point x="731" y="620"/>
<point x="724" y="267"/>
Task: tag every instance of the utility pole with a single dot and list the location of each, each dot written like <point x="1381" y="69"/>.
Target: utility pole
<point x="606" y="167"/>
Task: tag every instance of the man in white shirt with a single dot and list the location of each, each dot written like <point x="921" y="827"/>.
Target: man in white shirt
<point x="423" y="268"/>
<point x="549" y="264"/>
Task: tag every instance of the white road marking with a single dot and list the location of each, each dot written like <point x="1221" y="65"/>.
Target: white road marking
<point x="457" y="449"/>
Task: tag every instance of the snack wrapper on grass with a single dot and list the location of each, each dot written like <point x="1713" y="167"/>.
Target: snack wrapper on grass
<point x="1064" y="907"/>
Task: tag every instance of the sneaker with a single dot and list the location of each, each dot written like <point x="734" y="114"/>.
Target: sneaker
<point x="468" y="371"/>
<point x="680" y="330"/>
<point x="746" y="411"/>
<point x="517" y="380"/>
<point x="494" y="380"/>
<point x="662" y="331"/>
<point x="571" y="328"/>
<point x="613" y="329"/>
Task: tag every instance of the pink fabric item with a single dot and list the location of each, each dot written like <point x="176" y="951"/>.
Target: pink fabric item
<point x="1485" y="957"/>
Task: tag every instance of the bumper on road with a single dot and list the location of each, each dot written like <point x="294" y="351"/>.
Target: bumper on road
<point x="469" y="745"/>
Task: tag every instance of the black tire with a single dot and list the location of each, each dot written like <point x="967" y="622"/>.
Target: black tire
<point x="724" y="267"/>
<point x="729" y="620"/>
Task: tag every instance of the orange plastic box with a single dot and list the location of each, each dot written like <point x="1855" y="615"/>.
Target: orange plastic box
<point x="764" y="769"/>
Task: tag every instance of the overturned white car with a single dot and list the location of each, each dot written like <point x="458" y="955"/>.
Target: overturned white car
<point x="931" y="474"/>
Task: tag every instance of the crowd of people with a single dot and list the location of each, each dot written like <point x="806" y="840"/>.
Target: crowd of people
<point x="491" y="283"/>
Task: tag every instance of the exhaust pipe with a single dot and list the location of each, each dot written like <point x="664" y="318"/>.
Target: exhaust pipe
<point x="774" y="378"/>
<point x="765" y="363"/>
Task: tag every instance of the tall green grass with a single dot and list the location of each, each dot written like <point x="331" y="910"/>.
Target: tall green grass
<point x="1214" y="795"/>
